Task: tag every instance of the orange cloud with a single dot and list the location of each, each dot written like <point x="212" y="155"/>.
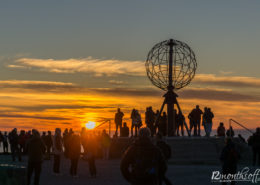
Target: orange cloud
<point x="87" y="65"/>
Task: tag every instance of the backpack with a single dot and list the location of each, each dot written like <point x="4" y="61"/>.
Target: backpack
<point x="145" y="167"/>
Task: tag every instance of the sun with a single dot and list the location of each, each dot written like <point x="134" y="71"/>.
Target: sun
<point x="90" y="125"/>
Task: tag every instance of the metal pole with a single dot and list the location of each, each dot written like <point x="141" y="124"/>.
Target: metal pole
<point x="169" y="96"/>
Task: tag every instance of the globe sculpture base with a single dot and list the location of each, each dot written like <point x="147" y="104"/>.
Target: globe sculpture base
<point x="170" y="98"/>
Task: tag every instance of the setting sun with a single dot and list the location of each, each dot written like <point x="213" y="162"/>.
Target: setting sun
<point x="90" y="125"/>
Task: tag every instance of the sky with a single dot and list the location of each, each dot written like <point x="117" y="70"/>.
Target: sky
<point x="64" y="63"/>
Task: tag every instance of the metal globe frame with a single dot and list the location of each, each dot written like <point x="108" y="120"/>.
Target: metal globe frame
<point x="170" y="66"/>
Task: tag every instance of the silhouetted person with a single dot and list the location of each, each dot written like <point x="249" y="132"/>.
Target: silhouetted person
<point x="196" y="116"/>
<point x="74" y="154"/>
<point x="180" y="122"/>
<point x="105" y="144"/>
<point x="221" y="131"/>
<point x="5" y="143"/>
<point x="204" y="119"/>
<point x="22" y="141"/>
<point x="207" y="118"/>
<point x="66" y="137"/>
<point x="143" y="162"/>
<point x="125" y="130"/>
<point x="230" y="132"/>
<point x="150" y="119"/>
<point x="162" y="127"/>
<point x="92" y="153"/>
<point x="118" y="120"/>
<point x="229" y="158"/>
<point x="166" y="150"/>
<point x="136" y="121"/>
<point x="35" y="150"/>
<point x="83" y="139"/>
<point x="192" y="122"/>
<point x="1" y="138"/>
<point x="49" y="143"/>
<point x="57" y="150"/>
<point x="254" y="142"/>
<point x="13" y="140"/>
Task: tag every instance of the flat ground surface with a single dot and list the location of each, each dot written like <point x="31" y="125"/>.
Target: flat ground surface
<point x="109" y="173"/>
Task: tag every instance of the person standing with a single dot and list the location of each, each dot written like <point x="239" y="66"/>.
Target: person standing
<point x="49" y="144"/>
<point x="118" y="120"/>
<point x="162" y="128"/>
<point x="13" y="140"/>
<point x="136" y="121"/>
<point x="254" y="142"/>
<point x="150" y="119"/>
<point x="5" y="143"/>
<point x="167" y="153"/>
<point x="105" y="144"/>
<point x="92" y="153"/>
<point x="74" y="154"/>
<point x="84" y="140"/>
<point x="180" y="123"/>
<point x="229" y="158"/>
<point x="192" y="123"/>
<point x="143" y="162"/>
<point x="196" y="115"/>
<point x="35" y="149"/>
<point x="57" y="150"/>
<point x="208" y="121"/>
<point x="1" y="138"/>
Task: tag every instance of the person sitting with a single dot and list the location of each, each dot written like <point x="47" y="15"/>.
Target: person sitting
<point x="221" y="130"/>
<point x="124" y="130"/>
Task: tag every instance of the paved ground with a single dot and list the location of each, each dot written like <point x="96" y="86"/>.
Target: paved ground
<point x="109" y="174"/>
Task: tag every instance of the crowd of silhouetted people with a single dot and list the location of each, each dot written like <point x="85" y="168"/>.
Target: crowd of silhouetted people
<point x="86" y="145"/>
<point x="144" y="162"/>
<point x="157" y="122"/>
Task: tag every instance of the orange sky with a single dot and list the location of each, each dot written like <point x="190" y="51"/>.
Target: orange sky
<point x="27" y="108"/>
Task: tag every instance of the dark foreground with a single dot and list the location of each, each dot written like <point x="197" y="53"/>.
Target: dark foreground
<point x="109" y="173"/>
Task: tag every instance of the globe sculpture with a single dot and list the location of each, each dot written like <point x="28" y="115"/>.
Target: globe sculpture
<point x="171" y="65"/>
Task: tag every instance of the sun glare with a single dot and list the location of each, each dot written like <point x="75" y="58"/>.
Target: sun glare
<point x="90" y="125"/>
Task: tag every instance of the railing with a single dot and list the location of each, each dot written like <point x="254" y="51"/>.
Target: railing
<point x="104" y="122"/>
<point x="230" y="120"/>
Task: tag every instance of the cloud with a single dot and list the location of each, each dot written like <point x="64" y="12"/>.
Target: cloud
<point x="70" y="88"/>
<point x="40" y="85"/>
<point x="61" y="106"/>
<point x="98" y="67"/>
<point x="15" y="66"/>
<point x="217" y="94"/>
<point x="127" y="92"/>
<point x="34" y="117"/>
<point x="116" y="82"/>
<point x="227" y="81"/>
